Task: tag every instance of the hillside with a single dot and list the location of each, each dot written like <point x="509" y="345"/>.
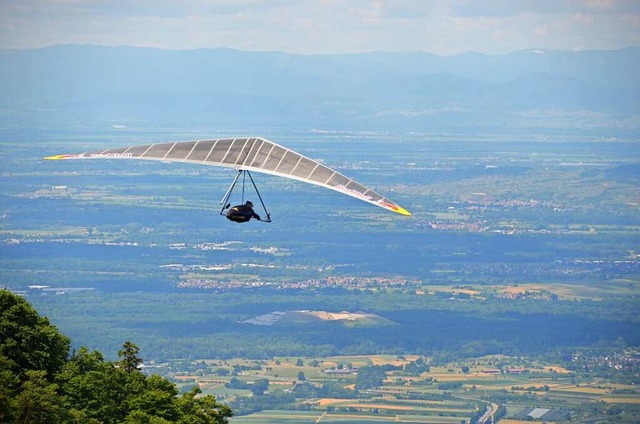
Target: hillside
<point x="348" y="319"/>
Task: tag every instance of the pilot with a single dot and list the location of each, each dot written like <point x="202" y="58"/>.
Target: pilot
<point x="242" y="213"/>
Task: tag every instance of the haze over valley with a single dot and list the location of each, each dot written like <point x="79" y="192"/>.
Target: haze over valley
<point x="511" y="292"/>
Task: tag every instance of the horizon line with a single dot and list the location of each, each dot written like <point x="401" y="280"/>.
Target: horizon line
<point x="540" y="50"/>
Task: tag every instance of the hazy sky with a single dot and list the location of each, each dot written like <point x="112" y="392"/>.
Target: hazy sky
<point x="325" y="26"/>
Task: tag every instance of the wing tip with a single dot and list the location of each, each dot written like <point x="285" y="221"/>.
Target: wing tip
<point x="402" y="211"/>
<point x="60" y="157"/>
<point x="395" y="208"/>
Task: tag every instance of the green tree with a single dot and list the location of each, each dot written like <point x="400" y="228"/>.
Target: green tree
<point x="140" y="417"/>
<point x="158" y="399"/>
<point x="31" y="352"/>
<point x="27" y="340"/>
<point x="259" y="386"/>
<point x="370" y="377"/>
<point x="38" y="401"/>
<point x="9" y="384"/>
<point x="40" y="384"/>
<point x="93" y="388"/>
<point x="202" y="410"/>
<point x="129" y="359"/>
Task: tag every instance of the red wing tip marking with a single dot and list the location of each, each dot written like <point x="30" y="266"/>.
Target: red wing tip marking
<point x="395" y="208"/>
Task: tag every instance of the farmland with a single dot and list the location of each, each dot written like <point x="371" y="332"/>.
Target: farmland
<point x="308" y="389"/>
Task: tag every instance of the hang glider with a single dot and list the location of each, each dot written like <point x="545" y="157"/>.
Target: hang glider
<point x="248" y="154"/>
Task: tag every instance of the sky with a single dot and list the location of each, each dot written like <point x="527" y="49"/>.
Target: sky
<point x="445" y="27"/>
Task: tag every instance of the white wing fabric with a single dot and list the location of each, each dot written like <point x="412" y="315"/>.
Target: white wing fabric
<point x="247" y="153"/>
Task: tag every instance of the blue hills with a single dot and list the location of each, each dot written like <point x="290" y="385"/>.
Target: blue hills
<point x="583" y="91"/>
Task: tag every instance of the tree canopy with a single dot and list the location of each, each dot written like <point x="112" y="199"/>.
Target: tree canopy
<point x="27" y="340"/>
<point x="42" y="383"/>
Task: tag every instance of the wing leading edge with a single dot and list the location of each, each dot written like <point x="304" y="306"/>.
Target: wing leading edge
<point x="249" y="153"/>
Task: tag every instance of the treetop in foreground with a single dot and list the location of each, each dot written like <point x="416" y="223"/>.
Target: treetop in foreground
<point x="42" y="384"/>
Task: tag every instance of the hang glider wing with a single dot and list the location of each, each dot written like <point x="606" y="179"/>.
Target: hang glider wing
<point x="253" y="154"/>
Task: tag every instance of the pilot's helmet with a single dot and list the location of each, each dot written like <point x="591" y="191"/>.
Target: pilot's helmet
<point x="249" y="203"/>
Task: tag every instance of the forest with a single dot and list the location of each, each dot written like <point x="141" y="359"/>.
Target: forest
<point x="443" y="324"/>
<point x="44" y="383"/>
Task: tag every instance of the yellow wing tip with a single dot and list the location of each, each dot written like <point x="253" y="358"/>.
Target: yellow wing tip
<point x="393" y="207"/>
<point x="60" y="157"/>
<point x="402" y="211"/>
<point x="55" y="157"/>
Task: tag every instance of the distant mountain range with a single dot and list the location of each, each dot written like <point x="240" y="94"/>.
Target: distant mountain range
<point x="583" y="92"/>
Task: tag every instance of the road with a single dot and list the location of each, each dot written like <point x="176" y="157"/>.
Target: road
<point x="492" y="408"/>
<point x="487" y="417"/>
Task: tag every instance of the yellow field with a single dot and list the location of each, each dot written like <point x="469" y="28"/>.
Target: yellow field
<point x="384" y="360"/>
<point x="363" y="360"/>
<point x="329" y="401"/>
<point x="557" y="369"/>
<point x="478" y="375"/>
<point x="589" y="390"/>
<point x="563" y="291"/>
<point x="621" y="399"/>
<point x="573" y="291"/>
<point x="381" y="406"/>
